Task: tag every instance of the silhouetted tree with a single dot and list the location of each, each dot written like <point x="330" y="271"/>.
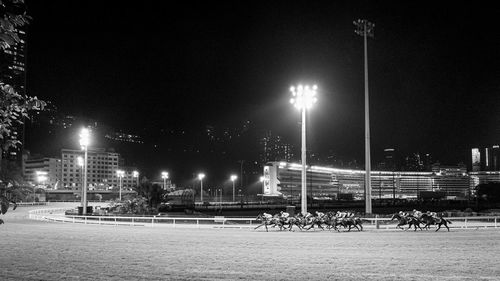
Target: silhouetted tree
<point x="14" y="107"/>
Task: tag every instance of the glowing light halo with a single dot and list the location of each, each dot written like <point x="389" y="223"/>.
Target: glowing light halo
<point x="303" y="96"/>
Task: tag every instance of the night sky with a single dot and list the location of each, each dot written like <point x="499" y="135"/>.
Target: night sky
<point x="434" y="69"/>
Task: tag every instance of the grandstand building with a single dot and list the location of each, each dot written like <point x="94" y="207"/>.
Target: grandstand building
<point x="284" y="179"/>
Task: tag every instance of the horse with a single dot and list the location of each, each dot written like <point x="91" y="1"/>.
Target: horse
<point x="410" y="220"/>
<point x="275" y="220"/>
<point x="439" y="221"/>
<point x="295" y="220"/>
<point x="331" y="221"/>
<point x="315" y="221"/>
<point x="351" y="222"/>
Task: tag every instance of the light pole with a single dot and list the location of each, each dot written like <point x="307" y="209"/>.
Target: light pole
<point x="303" y="98"/>
<point x="79" y="162"/>
<point x="84" y="143"/>
<point x="164" y="176"/>
<point x="233" y="178"/>
<point x="262" y="195"/>
<point x="200" y="177"/>
<point x="120" y="174"/>
<point x="365" y="28"/>
<point x="41" y="176"/>
<point x="135" y="174"/>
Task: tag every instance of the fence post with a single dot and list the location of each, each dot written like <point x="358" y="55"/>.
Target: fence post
<point x="132" y="221"/>
<point x="495" y="222"/>
<point x="377" y="225"/>
<point x="465" y="223"/>
<point x="115" y="222"/>
<point x="173" y="222"/>
<point x="153" y="221"/>
<point x="197" y="223"/>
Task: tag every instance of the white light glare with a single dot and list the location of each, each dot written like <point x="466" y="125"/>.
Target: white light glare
<point x="120" y="173"/>
<point x="201" y="176"/>
<point x="84" y="137"/>
<point x="234" y="177"/>
<point x="303" y="97"/>
<point x="135" y="174"/>
<point x="164" y="175"/>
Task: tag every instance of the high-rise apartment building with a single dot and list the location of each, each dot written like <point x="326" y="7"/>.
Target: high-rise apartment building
<point x="101" y="170"/>
<point x="51" y="167"/>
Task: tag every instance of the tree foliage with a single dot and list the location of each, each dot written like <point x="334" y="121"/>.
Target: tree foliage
<point x="14" y="107"/>
<point x="153" y="193"/>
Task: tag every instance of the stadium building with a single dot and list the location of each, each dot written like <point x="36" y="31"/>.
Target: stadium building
<point x="284" y="180"/>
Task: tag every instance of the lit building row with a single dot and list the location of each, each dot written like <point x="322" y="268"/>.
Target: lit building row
<point x="284" y="179"/>
<point x="67" y="172"/>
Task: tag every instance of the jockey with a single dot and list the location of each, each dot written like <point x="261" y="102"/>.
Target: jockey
<point x="403" y="214"/>
<point x="320" y="215"/>
<point x="417" y="214"/>
<point x="349" y="215"/>
<point x="267" y="216"/>
<point x="341" y="215"/>
<point x="432" y="214"/>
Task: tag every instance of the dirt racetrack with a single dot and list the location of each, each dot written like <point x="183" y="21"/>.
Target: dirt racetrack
<point x="33" y="250"/>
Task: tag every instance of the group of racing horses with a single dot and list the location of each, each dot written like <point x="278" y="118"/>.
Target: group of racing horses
<point x="327" y="220"/>
<point x="420" y="220"/>
<point x="348" y="220"/>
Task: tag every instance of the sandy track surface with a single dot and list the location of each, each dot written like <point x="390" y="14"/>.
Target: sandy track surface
<point x="34" y="250"/>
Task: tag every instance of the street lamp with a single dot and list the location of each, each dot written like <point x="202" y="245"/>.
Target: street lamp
<point x="200" y="177"/>
<point x="303" y="98"/>
<point x="164" y="176"/>
<point x="262" y="195"/>
<point x="120" y="174"/>
<point x="41" y="176"/>
<point x="365" y="28"/>
<point x="233" y="178"/>
<point x="84" y="143"/>
<point x="79" y="162"/>
<point x="135" y="174"/>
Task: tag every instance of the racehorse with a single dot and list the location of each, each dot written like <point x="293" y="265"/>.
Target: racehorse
<point x="331" y="221"/>
<point x="430" y="220"/>
<point x="269" y="220"/>
<point x="410" y="220"/>
<point x="315" y="221"/>
<point x="351" y="222"/>
<point x="295" y="220"/>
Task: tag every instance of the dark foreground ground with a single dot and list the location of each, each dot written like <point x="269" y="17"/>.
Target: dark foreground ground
<point x="33" y="250"/>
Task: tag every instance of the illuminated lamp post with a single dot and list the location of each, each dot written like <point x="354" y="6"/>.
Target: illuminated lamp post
<point x="233" y="178"/>
<point x="135" y="174"/>
<point x="262" y="195"/>
<point x="79" y="162"/>
<point x="41" y="177"/>
<point x="200" y="177"/>
<point x="120" y="174"/>
<point x="84" y="143"/>
<point x="164" y="176"/>
<point x="365" y="28"/>
<point x="303" y="98"/>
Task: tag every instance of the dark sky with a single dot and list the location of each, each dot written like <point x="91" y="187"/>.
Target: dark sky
<point x="434" y="68"/>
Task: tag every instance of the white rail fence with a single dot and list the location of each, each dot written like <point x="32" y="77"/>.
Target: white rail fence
<point x="57" y="215"/>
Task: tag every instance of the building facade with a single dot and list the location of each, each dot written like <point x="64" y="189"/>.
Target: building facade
<point x="284" y="179"/>
<point x="50" y="166"/>
<point x="102" y="167"/>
